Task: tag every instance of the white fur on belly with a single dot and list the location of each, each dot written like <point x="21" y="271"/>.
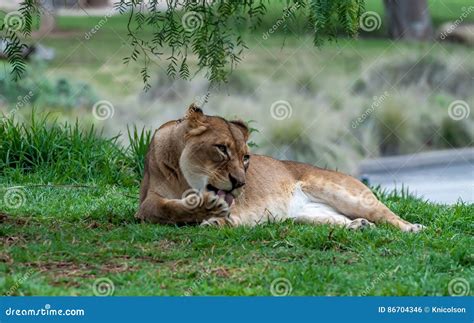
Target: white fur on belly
<point x="302" y="205"/>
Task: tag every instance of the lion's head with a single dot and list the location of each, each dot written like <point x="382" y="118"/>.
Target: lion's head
<point x="215" y="154"/>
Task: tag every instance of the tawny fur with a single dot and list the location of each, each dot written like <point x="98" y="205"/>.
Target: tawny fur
<point x="183" y="156"/>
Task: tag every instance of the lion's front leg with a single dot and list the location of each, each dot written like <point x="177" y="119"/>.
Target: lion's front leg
<point x="194" y="208"/>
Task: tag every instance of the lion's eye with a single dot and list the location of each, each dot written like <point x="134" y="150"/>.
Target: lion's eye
<point x="222" y="149"/>
<point x="246" y="158"/>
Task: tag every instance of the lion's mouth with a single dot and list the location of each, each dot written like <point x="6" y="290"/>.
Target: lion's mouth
<point x="227" y="195"/>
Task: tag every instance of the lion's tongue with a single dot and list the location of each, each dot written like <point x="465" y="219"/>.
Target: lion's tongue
<point x="227" y="196"/>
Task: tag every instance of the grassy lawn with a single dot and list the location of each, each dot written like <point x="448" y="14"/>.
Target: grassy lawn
<point x="63" y="239"/>
<point x="59" y="240"/>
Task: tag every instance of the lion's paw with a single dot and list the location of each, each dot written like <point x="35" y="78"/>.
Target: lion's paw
<point x="414" y="227"/>
<point x="214" y="222"/>
<point x="215" y="205"/>
<point x="359" y="224"/>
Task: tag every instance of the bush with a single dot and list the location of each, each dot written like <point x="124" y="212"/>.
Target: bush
<point x="432" y="73"/>
<point x="36" y="90"/>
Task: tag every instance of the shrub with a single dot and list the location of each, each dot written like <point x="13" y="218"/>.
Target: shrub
<point x="41" y="92"/>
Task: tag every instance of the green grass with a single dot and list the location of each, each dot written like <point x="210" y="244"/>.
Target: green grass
<point x="59" y="240"/>
<point x="64" y="239"/>
<point x="69" y="153"/>
<point x="441" y="10"/>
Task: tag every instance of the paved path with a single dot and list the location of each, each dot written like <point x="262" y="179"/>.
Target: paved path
<point x="442" y="176"/>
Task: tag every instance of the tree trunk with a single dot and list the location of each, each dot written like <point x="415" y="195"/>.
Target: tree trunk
<point x="97" y="3"/>
<point x="408" y="19"/>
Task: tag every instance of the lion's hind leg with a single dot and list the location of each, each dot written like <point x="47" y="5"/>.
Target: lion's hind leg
<point x="354" y="200"/>
<point x="304" y="209"/>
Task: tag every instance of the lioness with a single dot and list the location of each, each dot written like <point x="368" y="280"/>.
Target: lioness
<point x="198" y="169"/>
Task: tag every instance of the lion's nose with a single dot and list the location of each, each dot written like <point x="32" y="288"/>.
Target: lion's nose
<point x="236" y="183"/>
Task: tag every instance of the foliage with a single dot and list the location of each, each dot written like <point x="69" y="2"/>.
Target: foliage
<point x="252" y="130"/>
<point x="12" y="29"/>
<point x="209" y="29"/>
<point x="66" y="153"/>
<point x="139" y="141"/>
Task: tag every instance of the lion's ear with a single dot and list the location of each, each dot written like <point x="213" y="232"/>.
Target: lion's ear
<point x="195" y="116"/>
<point x="194" y="112"/>
<point x="242" y="127"/>
<point x="196" y="120"/>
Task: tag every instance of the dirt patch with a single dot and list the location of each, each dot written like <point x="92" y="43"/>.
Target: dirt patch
<point x="68" y="284"/>
<point x="102" y="226"/>
<point x="9" y="219"/>
<point x="140" y="258"/>
<point x="165" y="244"/>
<point x="221" y="272"/>
<point x="116" y="268"/>
<point x="4" y="257"/>
<point x="3" y="217"/>
<point x="12" y="240"/>
<point x="62" y="269"/>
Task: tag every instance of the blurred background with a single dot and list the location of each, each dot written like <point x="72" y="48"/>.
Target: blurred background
<point x="392" y="107"/>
